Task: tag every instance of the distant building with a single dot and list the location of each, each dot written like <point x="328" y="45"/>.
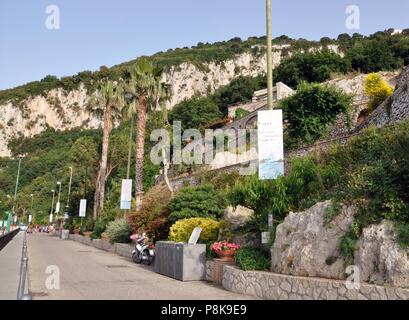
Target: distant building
<point x="259" y="100"/>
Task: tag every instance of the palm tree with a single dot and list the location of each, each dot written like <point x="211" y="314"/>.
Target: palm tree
<point x="150" y="93"/>
<point x="108" y="102"/>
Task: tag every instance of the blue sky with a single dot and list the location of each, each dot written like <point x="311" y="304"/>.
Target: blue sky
<point x="103" y="32"/>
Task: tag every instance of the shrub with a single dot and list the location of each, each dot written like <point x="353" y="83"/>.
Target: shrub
<point x="251" y="258"/>
<point x="310" y="110"/>
<point x="195" y="113"/>
<point x="152" y="218"/>
<point x="118" y="231"/>
<point x="99" y="228"/>
<point x="347" y="246"/>
<point x="403" y="235"/>
<point x="377" y="89"/>
<point x="182" y="229"/>
<point x="240" y="113"/>
<point x="310" y="67"/>
<point x="201" y="201"/>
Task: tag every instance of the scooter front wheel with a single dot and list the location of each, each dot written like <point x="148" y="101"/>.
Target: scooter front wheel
<point x="136" y="257"/>
<point x="148" y="257"/>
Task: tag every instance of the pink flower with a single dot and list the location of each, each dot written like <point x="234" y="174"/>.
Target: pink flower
<point x="224" y="246"/>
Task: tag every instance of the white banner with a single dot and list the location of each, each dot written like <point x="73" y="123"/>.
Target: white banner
<point x="83" y="208"/>
<point x="57" y="208"/>
<point x="270" y="144"/>
<point x="126" y="194"/>
<point x="51" y="218"/>
<point x="30" y="217"/>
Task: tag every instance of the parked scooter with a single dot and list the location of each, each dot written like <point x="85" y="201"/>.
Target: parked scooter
<point x="142" y="252"/>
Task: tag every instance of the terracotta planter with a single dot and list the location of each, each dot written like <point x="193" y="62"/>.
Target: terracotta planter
<point x="87" y="234"/>
<point x="226" y="255"/>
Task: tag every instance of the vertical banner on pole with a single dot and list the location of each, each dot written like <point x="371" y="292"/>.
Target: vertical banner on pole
<point x="51" y="218"/>
<point x="57" y="208"/>
<point x="270" y="144"/>
<point x="30" y="217"/>
<point x="126" y="194"/>
<point x="83" y="208"/>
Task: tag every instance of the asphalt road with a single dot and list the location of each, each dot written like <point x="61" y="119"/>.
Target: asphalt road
<point x="87" y="273"/>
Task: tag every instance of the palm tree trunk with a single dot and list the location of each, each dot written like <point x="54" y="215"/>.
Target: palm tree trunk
<point x="104" y="158"/>
<point x="140" y="151"/>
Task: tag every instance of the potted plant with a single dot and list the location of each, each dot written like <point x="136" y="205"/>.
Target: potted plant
<point x="225" y="250"/>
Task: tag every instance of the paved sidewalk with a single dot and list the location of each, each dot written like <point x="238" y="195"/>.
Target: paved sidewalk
<point x="10" y="263"/>
<point x="87" y="273"/>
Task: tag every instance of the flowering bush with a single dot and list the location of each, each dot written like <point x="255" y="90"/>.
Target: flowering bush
<point x="182" y="229"/>
<point x="224" y="246"/>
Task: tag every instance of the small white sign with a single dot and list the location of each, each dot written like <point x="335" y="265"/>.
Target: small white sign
<point x="270" y="144"/>
<point x="194" y="237"/>
<point x="30" y="217"/>
<point x="126" y="194"/>
<point x="15" y="219"/>
<point x="265" y="237"/>
<point x="51" y="218"/>
<point x="83" y="208"/>
<point x="57" y="208"/>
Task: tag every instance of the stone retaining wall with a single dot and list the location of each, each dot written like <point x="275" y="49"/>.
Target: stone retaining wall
<point x="122" y="249"/>
<point x="272" y="286"/>
<point x="214" y="270"/>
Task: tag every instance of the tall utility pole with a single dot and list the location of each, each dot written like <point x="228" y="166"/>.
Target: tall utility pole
<point x="15" y="190"/>
<point x="269" y="57"/>
<point x="58" y="205"/>
<point x="69" y="188"/>
<point x="52" y="204"/>
<point x="128" y="171"/>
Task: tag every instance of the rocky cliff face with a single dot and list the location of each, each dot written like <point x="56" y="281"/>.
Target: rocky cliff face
<point x="63" y="110"/>
<point x="305" y="245"/>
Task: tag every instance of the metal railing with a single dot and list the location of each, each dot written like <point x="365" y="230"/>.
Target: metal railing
<point x="7" y="237"/>
<point x="23" y="272"/>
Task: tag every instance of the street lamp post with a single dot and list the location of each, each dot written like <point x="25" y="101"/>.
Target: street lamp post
<point x="68" y="197"/>
<point x="57" y="207"/>
<point x="52" y="205"/>
<point x="269" y="57"/>
<point x="16" y="188"/>
<point x="31" y="207"/>
<point x="69" y="188"/>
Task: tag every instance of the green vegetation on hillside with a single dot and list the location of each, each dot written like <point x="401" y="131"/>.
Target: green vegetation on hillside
<point x="371" y="171"/>
<point x="377" y="52"/>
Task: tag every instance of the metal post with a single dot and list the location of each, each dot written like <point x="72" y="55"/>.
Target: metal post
<point x="52" y="204"/>
<point x="58" y="202"/>
<point x="23" y="272"/>
<point x="69" y="189"/>
<point x="15" y="190"/>
<point x="269" y="57"/>
<point x="128" y="171"/>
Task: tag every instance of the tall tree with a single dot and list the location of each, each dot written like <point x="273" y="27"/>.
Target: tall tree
<point x="150" y="92"/>
<point x="108" y="101"/>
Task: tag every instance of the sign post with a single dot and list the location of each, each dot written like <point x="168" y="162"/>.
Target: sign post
<point x="126" y="194"/>
<point x="83" y="209"/>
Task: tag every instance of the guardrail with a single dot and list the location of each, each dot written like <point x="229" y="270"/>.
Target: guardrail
<point x="6" y="238"/>
<point x="23" y="272"/>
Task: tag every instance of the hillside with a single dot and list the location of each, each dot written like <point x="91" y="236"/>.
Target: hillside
<point x="61" y="104"/>
<point x="50" y="123"/>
